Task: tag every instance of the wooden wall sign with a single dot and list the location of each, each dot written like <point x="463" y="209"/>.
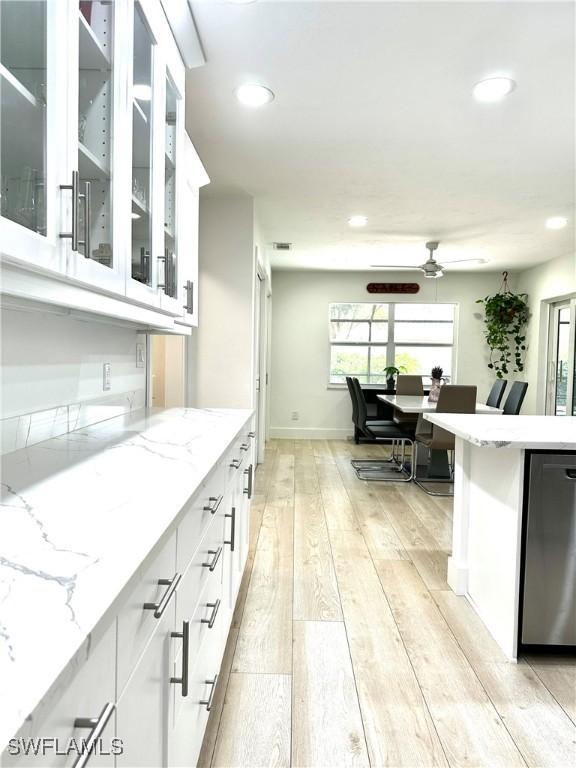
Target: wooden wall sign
<point x="392" y="287"/>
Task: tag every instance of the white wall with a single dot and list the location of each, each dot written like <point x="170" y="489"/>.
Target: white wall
<point x="223" y="345"/>
<point x="545" y="283"/>
<point x="49" y="360"/>
<point x="300" y="348"/>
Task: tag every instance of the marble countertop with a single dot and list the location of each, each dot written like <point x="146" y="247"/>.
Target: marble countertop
<point x="68" y="508"/>
<point x="545" y="432"/>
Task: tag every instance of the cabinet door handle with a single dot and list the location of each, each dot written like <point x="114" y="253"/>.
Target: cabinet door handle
<point x="236" y="463"/>
<point x="213" y="507"/>
<point x="208" y="703"/>
<point x="96" y="725"/>
<point x="185" y="635"/>
<point x="249" y="472"/>
<point x="215" y="607"/>
<point x="252" y="435"/>
<point x="86" y="196"/>
<point x="73" y="234"/>
<point x="232" y="541"/>
<point x="244" y="447"/>
<point x="212" y="564"/>
<point x="160" y="607"/>
<point x="570" y="474"/>
<point x="189" y="288"/>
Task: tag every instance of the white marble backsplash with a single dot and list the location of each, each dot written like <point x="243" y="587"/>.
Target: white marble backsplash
<point x="28" y="429"/>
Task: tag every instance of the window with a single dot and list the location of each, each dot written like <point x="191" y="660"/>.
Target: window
<point x="365" y="338"/>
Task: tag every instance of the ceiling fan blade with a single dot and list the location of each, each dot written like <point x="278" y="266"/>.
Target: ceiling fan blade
<point x="459" y="261"/>
<point x="395" y="266"/>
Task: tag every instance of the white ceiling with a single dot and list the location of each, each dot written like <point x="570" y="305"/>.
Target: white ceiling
<point x="374" y="115"/>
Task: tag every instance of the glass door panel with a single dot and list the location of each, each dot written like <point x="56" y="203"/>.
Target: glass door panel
<point x="23" y="105"/>
<point x="562" y="360"/>
<point x="170" y="133"/>
<point x="142" y="111"/>
<point x="561" y="387"/>
<point x="95" y="128"/>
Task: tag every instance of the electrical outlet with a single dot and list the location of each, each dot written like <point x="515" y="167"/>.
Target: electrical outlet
<point x="106" y="374"/>
<point x="295" y="415"/>
<point x="140" y="356"/>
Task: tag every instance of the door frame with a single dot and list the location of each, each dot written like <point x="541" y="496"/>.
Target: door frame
<point x="551" y="355"/>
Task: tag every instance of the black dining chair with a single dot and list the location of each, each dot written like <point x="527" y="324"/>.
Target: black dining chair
<point x="380" y="432"/>
<point x="496" y="393"/>
<point x="513" y="402"/>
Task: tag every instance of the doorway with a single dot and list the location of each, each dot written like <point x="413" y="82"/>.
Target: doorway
<point x="561" y="384"/>
<point x="168" y="371"/>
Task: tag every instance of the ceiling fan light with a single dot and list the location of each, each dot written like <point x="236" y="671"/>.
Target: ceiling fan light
<point x="435" y="274"/>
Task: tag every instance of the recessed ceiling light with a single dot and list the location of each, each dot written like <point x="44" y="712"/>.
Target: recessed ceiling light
<point x="142" y="92"/>
<point x="493" y="89"/>
<point x="254" y="95"/>
<point x="556" y="222"/>
<point x="135" y="215"/>
<point x="358" y="221"/>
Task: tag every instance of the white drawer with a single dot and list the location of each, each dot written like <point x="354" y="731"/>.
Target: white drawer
<point x="188" y="732"/>
<point x="205" y="567"/>
<point x="204" y="507"/>
<point x="137" y="623"/>
<point x="86" y="691"/>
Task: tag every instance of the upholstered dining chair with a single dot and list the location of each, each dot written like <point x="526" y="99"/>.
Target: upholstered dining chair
<point x="513" y="403"/>
<point x="381" y="432"/>
<point x="496" y="393"/>
<point x="453" y="398"/>
<point x="408" y="385"/>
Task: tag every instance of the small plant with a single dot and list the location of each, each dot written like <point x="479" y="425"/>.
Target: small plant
<point x="437" y="372"/>
<point x="506" y="314"/>
<point x="391" y="370"/>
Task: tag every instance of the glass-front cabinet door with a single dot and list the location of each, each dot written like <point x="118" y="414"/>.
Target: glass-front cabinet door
<point x="32" y="123"/>
<point x="97" y="119"/>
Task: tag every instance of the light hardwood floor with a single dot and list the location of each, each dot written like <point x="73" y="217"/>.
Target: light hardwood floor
<point x="348" y="648"/>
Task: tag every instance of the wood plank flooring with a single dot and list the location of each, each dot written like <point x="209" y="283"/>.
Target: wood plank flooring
<point x="348" y="648"/>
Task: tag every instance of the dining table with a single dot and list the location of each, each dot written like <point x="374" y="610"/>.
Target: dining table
<point x="438" y="467"/>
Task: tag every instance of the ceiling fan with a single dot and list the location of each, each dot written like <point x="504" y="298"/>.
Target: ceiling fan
<point x="430" y="268"/>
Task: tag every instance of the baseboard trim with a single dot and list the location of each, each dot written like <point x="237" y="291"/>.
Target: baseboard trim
<point x="309" y="433"/>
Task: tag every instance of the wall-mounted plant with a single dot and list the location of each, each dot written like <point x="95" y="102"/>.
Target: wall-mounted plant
<point x="505" y="315"/>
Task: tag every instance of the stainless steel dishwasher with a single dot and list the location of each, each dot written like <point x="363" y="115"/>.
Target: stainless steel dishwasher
<point x="549" y="598"/>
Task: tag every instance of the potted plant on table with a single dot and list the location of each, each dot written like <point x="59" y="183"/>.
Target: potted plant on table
<point x="436" y="376"/>
<point x="390" y="372"/>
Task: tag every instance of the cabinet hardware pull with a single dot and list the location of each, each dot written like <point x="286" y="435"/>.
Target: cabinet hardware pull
<point x="208" y="703"/>
<point x="571" y="474"/>
<point x="216" y="553"/>
<point x="215" y="606"/>
<point x="252" y="435"/>
<point x="96" y="725"/>
<point x="185" y="635"/>
<point x="213" y="508"/>
<point x="189" y="288"/>
<point x="236" y="463"/>
<point x="160" y="607"/>
<point x="249" y="472"/>
<point x="232" y="541"/>
<point x="244" y="447"/>
<point x="86" y="196"/>
<point x="73" y="234"/>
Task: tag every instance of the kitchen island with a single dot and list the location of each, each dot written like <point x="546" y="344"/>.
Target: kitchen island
<point x="490" y="453"/>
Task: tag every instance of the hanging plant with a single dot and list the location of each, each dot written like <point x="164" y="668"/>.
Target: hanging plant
<point x="506" y="315"/>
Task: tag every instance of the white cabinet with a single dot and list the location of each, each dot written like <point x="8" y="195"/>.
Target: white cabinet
<point x="93" y="158"/>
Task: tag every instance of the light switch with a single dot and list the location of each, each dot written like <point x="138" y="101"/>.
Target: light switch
<point x="106" y="382"/>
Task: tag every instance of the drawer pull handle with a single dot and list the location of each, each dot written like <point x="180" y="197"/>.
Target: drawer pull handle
<point x="96" y="725"/>
<point x="252" y="435"/>
<point x="216" y="553"/>
<point x="215" y="502"/>
<point x="232" y="517"/>
<point x="571" y="474"/>
<point x="185" y="635"/>
<point x="244" y="447"/>
<point x="160" y="607"/>
<point x="236" y="463"/>
<point x="208" y="703"/>
<point x="215" y="607"/>
<point x="249" y="472"/>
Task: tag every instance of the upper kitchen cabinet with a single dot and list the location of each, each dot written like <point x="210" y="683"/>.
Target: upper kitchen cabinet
<point x="93" y="162"/>
<point x="33" y="117"/>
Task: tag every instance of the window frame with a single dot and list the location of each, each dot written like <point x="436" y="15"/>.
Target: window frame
<point x="390" y="344"/>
